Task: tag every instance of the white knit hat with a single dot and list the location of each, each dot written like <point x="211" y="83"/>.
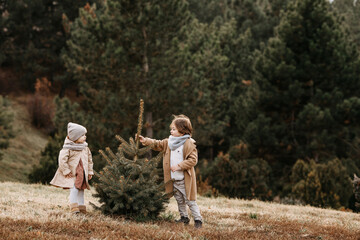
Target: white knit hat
<point x="75" y="131"/>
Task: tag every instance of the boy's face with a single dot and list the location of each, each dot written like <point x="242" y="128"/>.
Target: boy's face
<point x="82" y="139"/>
<point x="174" y="131"/>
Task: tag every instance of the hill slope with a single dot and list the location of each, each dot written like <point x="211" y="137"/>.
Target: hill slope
<point x="41" y="212"/>
<point x="24" y="150"/>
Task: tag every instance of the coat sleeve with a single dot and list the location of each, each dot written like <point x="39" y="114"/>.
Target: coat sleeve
<point x="90" y="164"/>
<point x="157" y="145"/>
<point x="190" y="161"/>
<point x="63" y="162"/>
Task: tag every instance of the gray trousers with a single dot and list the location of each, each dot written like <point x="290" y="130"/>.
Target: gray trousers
<point x="182" y="201"/>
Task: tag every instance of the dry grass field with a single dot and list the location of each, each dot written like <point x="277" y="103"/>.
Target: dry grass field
<point x="41" y="212"/>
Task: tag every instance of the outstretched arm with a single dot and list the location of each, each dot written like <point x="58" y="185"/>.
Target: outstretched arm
<point x="157" y="145"/>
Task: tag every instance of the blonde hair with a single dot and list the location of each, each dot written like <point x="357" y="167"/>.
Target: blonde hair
<point x="182" y="123"/>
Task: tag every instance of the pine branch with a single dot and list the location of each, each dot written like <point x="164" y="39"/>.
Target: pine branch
<point x="111" y="153"/>
<point x="144" y="150"/>
<point x="106" y="180"/>
<point x="157" y="159"/>
<point x="132" y="142"/>
<point x="122" y="159"/>
<point x="127" y="180"/>
<point x="122" y="183"/>
<point x="134" y="146"/>
<point x="107" y="174"/>
<point x="106" y="157"/>
<point x="127" y="150"/>
<point x="121" y="140"/>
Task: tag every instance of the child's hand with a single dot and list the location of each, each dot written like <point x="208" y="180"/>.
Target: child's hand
<point x="90" y="177"/>
<point x="69" y="175"/>
<point x="175" y="168"/>
<point x="141" y="138"/>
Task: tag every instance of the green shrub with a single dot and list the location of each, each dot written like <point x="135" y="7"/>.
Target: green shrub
<point x="45" y="171"/>
<point x="234" y="175"/>
<point x="321" y="184"/>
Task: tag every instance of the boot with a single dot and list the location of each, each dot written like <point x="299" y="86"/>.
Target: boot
<point x="82" y="209"/>
<point x="198" y="224"/>
<point x="184" y="220"/>
<point x="74" y="208"/>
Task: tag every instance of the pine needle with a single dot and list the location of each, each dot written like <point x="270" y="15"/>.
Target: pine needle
<point x="106" y="157"/>
<point x="111" y="153"/>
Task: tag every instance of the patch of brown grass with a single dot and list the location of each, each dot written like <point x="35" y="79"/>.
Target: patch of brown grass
<point x="41" y="212"/>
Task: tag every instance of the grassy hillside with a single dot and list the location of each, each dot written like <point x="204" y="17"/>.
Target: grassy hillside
<point x="24" y="150"/>
<point x="41" y="212"/>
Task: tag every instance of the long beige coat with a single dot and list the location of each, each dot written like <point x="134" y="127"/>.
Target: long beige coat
<point x="68" y="161"/>
<point x="190" y="160"/>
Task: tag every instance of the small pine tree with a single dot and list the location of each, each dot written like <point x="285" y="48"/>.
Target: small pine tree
<point x="130" y="187"/>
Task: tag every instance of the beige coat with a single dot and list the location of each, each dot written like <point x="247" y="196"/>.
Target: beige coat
<point x="68" y="161"/>
<point x="190" y="160"/>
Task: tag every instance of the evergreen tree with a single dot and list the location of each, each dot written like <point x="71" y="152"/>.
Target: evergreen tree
<point x="349" y="10"/>
<point x="307" y="72"/>
<point x="32" y="36"/>
<point x="210" y="76"/>
<point x="255" y="22"/>
<point x="6" y="130"/>
<point x="117" y="51"/>
<point x="201" y="80"/>
<point x="323" y="185"/>
<point x="205" y="11"/>
<point x="219" y="86"/>
<point x="129" y="185"/>
<point x="254" y="16"/>
<point x="259" y="16"/>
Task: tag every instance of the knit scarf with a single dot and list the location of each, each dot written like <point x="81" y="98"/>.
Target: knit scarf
<point x="175" y="142"/>
<point x="68" y="144"/>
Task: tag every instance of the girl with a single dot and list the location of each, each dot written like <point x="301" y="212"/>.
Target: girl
<point x="75" y="167"/>
<point x="180" y="157"/>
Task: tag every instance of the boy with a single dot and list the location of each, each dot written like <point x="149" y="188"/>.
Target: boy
<point x="180" y="157"/>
